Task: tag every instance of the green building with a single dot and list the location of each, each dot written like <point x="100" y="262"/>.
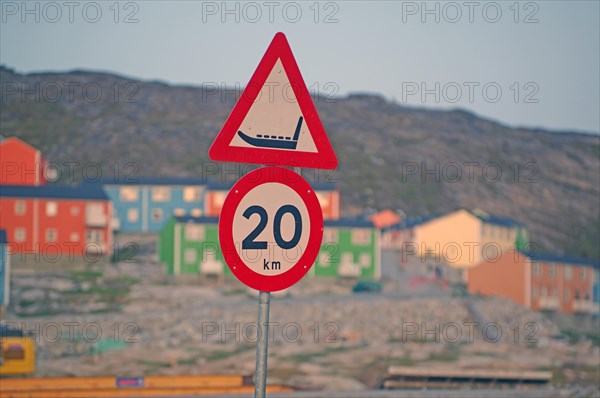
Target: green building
<point x="351" y="248"/>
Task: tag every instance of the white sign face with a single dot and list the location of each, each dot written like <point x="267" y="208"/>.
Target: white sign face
<point x="271" y="227"/>
<point x="275" y="119"/>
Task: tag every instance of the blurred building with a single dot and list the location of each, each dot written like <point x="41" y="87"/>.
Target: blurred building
<point x="328" y="195"/>
<point x="539" y="281"/>
<point x="55" y="220"/>
<point x="145" y="204"/>
<point x="351" y="248"/>
<point x="21" y="164"/>
<point x="190" y="245"/>
<point x="462" y="238"/>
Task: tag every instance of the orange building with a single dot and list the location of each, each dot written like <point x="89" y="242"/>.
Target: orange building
<point x="537" y="281"/>
<point x="21" y="164"/>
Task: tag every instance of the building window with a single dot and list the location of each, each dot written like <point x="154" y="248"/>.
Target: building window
<point x="361" y="236"/>
<point x="323" y="199"/>
<point x="568" y="272"/>
<point x="133" y="215"/>
<point x="582" y="273"/>
<point x="74" y="237"/>
<point x="330" y="235"/>
<point x="553" y="292"/>
<point x="544" y="291"/>
<point x="537" y="269"/>
<point x="161" y="194"/>
<point x="196" y="212"/>
<point x="194" y="232"/>
<point x="567" y="295"/>
<point x="552" y="270"/>
<point x="192" y="194"/>
<point x="189" y="256"/>
<point x="157" y="215"/>
<point x="129" y="194"/>
<point x="20" y="207"/>
<point x="51" y="209"/>
<point x="51" y="235"/>
<point x="74" y="210"/>
<point x="179" y="212"/>
<point x="20" y="235"/>
<point x="94" y="236"/>
<point x="365" y="260"/>
<point x="534" y="292"/>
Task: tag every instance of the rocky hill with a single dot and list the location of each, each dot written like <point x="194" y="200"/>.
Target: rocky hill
<point x="391" y="156"/>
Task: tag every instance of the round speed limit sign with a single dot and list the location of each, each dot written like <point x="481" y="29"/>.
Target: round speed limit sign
<point x="270" y="228"/>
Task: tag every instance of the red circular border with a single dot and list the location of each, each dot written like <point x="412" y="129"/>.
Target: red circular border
<point x="232" y="258"/>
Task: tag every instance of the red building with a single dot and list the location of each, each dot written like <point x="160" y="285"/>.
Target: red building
<point x="52" y="220"/>
<point x="21" y="164"/>
<point x="538" y="281"/>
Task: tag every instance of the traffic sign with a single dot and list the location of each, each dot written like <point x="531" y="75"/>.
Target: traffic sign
<point x="275" y="121"/>
<point x="270" y="228"/>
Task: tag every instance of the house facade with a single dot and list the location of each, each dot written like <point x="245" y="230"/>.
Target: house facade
<point x="21" y="164"/>
<point x="538" y="281"/>
<point x="350" y="248"/>
<point x="145" y="205"/>
<point x="190" y="245"/>
<point x="462" y="238"/>
<point x="56" y="220"/>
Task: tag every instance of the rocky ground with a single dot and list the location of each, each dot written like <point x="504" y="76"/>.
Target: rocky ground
<point x="131" y="319"/>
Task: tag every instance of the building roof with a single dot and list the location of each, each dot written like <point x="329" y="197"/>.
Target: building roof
<point x="197" y="220"/>
<point x="3" y="237"/>
<point x="494" y="219"/>
<point x="214" y="185"/>
<point x="349" y="222"/>
<point x="384" y="218"/>
<point x="154" y="181"/>
<point x="86" y="191"/>
<point x="410" y="222"/>
<point x="10" y="140"/>
<point x="557" y="258"/>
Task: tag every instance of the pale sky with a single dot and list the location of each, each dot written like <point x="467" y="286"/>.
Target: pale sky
<point x="534" y="64"/>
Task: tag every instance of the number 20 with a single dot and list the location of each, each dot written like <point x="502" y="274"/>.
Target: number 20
<point x="250" y="243"/>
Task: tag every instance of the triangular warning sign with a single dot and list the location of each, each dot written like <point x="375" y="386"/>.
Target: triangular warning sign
<point x="275" y="121"/>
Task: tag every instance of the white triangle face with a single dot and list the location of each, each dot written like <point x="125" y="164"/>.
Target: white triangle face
<point x="275" y="120"/>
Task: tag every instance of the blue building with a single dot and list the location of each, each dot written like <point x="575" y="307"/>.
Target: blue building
<point x="4" y="269"/>
<point x="144" y="205"/>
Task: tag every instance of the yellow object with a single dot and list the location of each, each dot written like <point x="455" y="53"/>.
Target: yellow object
<point x="17" y="355"/>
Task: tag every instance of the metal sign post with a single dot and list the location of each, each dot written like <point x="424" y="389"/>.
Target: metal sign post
<point x="262" y="344"/>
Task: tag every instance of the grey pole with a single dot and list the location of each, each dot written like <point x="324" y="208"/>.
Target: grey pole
<point x="262" y="344"/>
